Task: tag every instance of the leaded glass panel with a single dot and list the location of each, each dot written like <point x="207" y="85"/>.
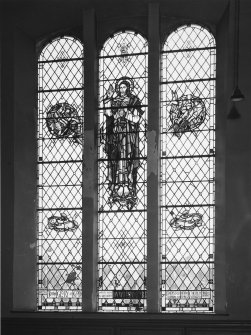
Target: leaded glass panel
<point x="188" y="171"/>
<point x="60" y="143"/>
<point x="122" y="173"/>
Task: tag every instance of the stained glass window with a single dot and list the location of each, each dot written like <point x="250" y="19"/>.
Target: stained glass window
<point x="188" y="170"/>
<point x="122" y="173"/>
<point x="187" y="178"/>
<point x="60" y="142"/>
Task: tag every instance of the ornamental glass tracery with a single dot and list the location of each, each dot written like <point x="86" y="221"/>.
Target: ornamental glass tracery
<point x="188" y="171"/>
<point x="60" y="142"/>
<point x="122" y="173"/>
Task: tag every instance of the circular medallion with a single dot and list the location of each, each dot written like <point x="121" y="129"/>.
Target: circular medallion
<point x="62" y="121"/>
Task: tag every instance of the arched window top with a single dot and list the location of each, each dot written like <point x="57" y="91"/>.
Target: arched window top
<point x="189" y="37"/>
<point x="65" y="47"/>
<point x="61" y="61"/>
<point x="124" y="42"/>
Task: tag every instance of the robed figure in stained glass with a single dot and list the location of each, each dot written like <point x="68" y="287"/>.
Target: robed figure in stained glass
<point x="121" y="141"/>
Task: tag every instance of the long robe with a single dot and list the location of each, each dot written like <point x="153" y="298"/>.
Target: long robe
<point x="122" y="149"/>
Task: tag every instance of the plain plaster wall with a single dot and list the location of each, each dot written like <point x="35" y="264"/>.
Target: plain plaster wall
<point x="238" y="184"/>
<point x="25" y="176"/>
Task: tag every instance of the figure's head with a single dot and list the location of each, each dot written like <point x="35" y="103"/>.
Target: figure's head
<point x="124" y="87"/>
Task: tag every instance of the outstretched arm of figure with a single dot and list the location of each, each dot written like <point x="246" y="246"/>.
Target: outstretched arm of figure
<point x="108" y="100"/>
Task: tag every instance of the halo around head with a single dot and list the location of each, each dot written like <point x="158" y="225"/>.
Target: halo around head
<point x="121" y="80"/>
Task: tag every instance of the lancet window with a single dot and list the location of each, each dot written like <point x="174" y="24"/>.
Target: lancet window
<point x="60" y="154"/>
<point x="122" y="149"/>
<point x="188" y="170"/>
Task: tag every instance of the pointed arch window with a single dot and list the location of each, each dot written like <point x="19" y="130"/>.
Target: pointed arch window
<point x="188" y="170"/>
<point x="122" y="173"/>
<point x="60" y="143"/>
